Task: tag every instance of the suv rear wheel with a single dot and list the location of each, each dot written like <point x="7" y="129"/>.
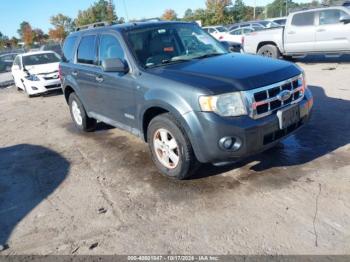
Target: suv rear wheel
<point x="79" y="116"/>
<point x="269" y="51"/>
<point x="171" y="149"/>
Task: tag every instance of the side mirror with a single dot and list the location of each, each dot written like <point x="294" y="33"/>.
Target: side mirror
<point x="232" y="47"/>
<point x="226" y="45"/>
<point x="114" y="65"/>
<point x="345" y="19"/>
<point x="15" y="67"/>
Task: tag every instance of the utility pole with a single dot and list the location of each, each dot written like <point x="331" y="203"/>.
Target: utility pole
<point x="254" y="9"/>
<point x="126" y="11"/>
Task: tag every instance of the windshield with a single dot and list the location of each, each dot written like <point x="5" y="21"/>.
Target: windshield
<point x="39" y="59"/>
<point x="172" y="43"/>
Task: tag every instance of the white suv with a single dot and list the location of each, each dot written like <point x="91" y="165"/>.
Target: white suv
<point x="36" y="72"/>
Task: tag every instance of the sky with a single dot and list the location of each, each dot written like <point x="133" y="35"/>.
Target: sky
<point x="38" y="12"/>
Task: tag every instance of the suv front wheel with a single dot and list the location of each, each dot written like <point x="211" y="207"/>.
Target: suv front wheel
<point x="171" y="149"/>
<point x="79" y="116"/>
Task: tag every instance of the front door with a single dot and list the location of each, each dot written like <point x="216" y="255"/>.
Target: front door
<point x="116" y="89"/>
<point x="299" y="34"/>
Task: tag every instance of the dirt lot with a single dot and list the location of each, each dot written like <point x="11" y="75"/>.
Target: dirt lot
<point x="62" y="192"/>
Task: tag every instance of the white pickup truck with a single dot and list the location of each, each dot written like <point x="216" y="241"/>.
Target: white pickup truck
<point x="321" y="30"/>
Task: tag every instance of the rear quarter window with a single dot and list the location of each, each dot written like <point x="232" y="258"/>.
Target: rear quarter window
<point x="68" y="49"/>
<point x="304" y="19"/>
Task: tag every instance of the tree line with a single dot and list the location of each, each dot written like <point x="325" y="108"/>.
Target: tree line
<point x="216" y="12"/>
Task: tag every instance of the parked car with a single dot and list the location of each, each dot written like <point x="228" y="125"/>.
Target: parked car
<point x="6" y="61"/>
<point x="178" y="89"/>
<point x="279" y="20"/>
<point x="321" y="30"/>
<point x="237" y="35"/>
<point x="36" y="72"/>
<point x="219" y="32"/>
<point x="56" y="47"/>
<point x="256" y="25"/>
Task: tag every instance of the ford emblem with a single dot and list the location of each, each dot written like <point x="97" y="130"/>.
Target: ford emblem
<point x="284" y="95"/>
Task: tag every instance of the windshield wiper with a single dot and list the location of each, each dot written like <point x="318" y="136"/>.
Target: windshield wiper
<point x="208" y="55"/>
<point x="169" y="61"/>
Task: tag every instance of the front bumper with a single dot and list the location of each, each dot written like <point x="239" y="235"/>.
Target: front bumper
<point x="256" y="135"/>
<point x="41" y="86"/>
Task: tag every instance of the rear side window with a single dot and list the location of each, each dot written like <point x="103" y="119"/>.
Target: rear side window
<point x="87" y="50"/>
<point x="328" y="17"/>
<point x="68" y="49"/>
<point x="110" y="48"/>
<point x="304" y="19"/>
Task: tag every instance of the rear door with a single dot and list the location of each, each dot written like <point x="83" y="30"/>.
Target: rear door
<point x="116" y="90"/>
<point x="331" y="34"/>
<point x="86" y="70"/>
<point x="300" y="33"/>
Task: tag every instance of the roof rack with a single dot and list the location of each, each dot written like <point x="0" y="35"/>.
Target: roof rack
<point x="94" y="25"/>
<point x="155" y="19"/>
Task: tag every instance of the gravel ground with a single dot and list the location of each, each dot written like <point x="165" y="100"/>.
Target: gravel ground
<point x="63" y="192"/>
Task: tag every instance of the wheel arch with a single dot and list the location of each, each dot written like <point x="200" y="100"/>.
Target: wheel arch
<point x="67" y="91"/>
<point x="156" y="109"/>
<point x="261" y="44"/>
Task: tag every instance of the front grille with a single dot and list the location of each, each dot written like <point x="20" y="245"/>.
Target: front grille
<point x="53" y="86"/>
<point x="267" y="100"/>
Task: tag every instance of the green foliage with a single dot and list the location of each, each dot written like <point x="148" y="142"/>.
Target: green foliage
<point x="101" y="10"/>
<point x="22" y="27"/>
<point x="62" y="21"/>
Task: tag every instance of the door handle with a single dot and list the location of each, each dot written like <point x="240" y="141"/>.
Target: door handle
<point x="75" y="73"/>
<point x="99" y="79"/>
<point x="291" y="32"/>
<point x="321" y="30"/>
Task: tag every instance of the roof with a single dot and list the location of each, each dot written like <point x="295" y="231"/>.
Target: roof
<point x="131" y="26"/>
<point x="320" y="9"/>
<point x="36" y="53"/>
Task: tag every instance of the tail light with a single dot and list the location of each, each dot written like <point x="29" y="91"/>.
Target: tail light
<point x="60" y="72"/>
<point x="221" y="37"/>
<point x="242" y="40"/>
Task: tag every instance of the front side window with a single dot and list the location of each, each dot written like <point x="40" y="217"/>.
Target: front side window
<point x="87" y="50"/>
<point x="304" y="19"/>
<point x="173" y="43"/>
<point x="247" y="30"/>
<point x="110" y="48"/>
<point x="328" y="17"/>
<point x="40" y="59"/>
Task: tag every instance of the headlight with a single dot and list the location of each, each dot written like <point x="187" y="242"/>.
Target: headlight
<point x="230" y="104"/>
<point x="32" y="78"/>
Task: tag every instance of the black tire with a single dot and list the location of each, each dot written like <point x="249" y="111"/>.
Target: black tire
<point x="87" y="124"/>
<point x="269" y="51"/>
<point x="188" y="163"/>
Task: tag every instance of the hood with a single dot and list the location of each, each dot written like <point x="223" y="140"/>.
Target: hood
<point x="42" y="69"/>
<point x="230" y="72"/>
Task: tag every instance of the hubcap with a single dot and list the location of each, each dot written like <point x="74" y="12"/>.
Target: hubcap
<point x="166" y="148"/>
<point x="77" y="113"/>
<point x="267" y="53"/>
